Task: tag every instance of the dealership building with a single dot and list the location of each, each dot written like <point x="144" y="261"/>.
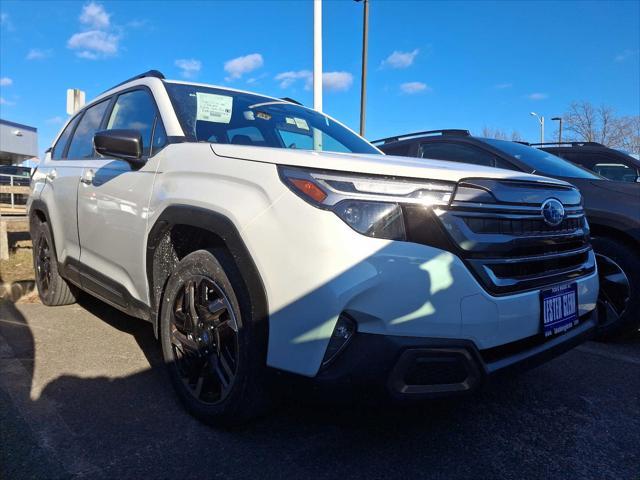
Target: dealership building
<point x="18" y="142"/>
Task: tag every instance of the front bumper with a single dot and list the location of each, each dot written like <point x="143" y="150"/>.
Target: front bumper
<point x="417" y="368"/>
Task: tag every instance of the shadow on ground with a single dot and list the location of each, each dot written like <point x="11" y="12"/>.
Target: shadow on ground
<point x="577" y="417"/>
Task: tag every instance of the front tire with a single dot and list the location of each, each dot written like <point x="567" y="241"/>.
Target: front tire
<point x="619" y="299"/>
<point x="213" y="351"/>
<point x="52" y="288"/>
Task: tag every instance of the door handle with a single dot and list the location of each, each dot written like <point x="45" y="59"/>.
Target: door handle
<point x="52" y="174"/>
<point x="87" y="177"/>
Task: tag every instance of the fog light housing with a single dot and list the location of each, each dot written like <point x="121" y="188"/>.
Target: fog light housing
<point x="342" y="334"/>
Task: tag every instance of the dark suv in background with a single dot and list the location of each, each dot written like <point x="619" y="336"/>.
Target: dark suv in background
<point x="613" y="210"/>
<point x="608" y="162"/>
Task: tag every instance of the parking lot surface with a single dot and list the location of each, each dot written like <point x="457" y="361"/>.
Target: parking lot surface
<point x="83" y="393"/>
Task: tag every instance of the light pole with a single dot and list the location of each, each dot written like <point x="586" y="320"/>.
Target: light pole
<point x="541" y="120"/>
<point x="363" y="83"/>
<point x="559" y="119"/>
<point x="317" y="55"/>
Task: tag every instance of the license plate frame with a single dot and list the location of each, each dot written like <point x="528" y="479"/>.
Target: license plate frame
<point x="559" y="309"/>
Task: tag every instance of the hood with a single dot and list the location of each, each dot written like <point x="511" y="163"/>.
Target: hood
<point x="624" y="191"/>
<point x="388" y="165"/>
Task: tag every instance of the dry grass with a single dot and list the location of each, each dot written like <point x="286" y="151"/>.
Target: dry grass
<point x="19" y="267"/>
<point x="17" y="275"/>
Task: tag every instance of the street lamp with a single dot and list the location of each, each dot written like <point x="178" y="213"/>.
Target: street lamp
<point x="559" y="119"/>
<point x="541" y="120"/>
<point x="363" y="83"/>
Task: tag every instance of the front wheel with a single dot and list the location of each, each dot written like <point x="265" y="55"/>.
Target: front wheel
<point x="214" y="353"/>
<point x="619" y="298"/>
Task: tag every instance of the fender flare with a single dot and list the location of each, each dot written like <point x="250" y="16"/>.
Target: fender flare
<point x="225" y="229"/>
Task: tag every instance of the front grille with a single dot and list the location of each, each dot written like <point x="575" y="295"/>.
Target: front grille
<point x="509" y="246"/>
<point x="538" y="266"/>
<point x="520" y="226"/>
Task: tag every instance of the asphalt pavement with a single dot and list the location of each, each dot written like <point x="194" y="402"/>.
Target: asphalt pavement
<point x="83" y="393"/>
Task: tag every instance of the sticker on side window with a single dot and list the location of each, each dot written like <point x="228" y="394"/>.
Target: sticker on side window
<point x="214" y="108"/>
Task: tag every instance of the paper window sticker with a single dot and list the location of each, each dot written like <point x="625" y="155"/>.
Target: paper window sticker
<point x="213" y="107"/>
<point x="263" y="116"/>
<point x="290" y="120"/>
<point x="301" y="123"/>
<point x="248" y="115"/>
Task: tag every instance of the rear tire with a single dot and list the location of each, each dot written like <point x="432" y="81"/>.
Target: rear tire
<point x="215" y="354"/>
<point x="52" y="288"/>
<point x="618" y="264"/>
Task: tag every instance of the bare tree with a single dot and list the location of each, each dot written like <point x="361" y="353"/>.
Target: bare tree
<point x="499" y="134"/>
<point x="585" y="123"/>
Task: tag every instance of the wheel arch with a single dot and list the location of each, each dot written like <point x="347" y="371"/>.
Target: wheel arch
<point x="182" y="229"/>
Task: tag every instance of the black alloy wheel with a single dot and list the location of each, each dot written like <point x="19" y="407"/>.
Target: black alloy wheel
<point x="615" y="291"/>
<point x="43" y="265"/>
<point x="204" y="337"/>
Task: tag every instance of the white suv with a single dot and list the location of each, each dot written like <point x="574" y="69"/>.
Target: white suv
<point x="253" y="232"/>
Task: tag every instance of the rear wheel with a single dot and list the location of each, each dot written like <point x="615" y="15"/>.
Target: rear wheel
<point x="214" y="353"/>
<point x="619" y="299"/>
<point x="52" y="288"/>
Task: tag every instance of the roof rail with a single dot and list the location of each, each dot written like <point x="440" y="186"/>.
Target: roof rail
<point x="150" y="73"/>
<point x="291" y="100"/>
<point x="451" y="131"/>
<point x="522" y="142"/>
<point x="572" y="144"/>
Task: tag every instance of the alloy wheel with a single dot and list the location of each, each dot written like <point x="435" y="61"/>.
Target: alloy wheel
<point x="43" y="264"/>
<point x="615" y="290"/>
<point x="204" y="338"/>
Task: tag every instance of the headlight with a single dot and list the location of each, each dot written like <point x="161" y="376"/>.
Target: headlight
<point x="370" y="205"/>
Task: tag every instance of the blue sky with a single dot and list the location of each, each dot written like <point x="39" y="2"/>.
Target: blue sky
<point x="431" y="64"/>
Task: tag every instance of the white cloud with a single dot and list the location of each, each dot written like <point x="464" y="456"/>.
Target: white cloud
<point x="241" y="65"/>
<point x="6" y="102"/>
<point x="337" y="81"/>
<point x="331" y="81"/>
<point x="97" y="40"/>
<point x="94" y="16"/>
<point x="5" y="82"/>
<point x="625" y="55"/>
<point x="537" y="96"/>
<point x="400" y="59"/>
<point x="287" y="79"/>
<point x="37" y="54"/>
<point x="414" y="87"/>
<point x="189" y="66"/>
<point x="94" y="44"/>
<point x="502" y="86"/>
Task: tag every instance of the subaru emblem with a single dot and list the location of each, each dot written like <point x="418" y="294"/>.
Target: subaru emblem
<point x="552" y="212"/>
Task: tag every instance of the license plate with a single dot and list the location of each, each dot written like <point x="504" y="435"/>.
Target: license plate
<point x="559" y="309"/>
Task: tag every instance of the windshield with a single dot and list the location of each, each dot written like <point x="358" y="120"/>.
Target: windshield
<point x="222" y="116"/>
<point x="540" y="161"/>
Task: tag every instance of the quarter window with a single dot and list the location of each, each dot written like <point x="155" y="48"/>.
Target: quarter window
<point x="82" y="143"/>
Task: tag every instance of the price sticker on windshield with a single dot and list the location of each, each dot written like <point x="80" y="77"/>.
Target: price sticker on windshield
<point x="214" y="108"/>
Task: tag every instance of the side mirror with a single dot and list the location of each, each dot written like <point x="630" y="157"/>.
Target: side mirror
<point x="124" y="144"/>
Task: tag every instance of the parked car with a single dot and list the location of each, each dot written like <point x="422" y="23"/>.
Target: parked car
<point x="253" y="232"/>
<point x="613" y="210"/>
<point x="607" y="162"/>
